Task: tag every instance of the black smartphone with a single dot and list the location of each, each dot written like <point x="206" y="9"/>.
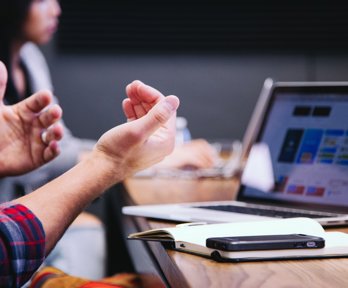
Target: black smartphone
<point x="265" y="242"/>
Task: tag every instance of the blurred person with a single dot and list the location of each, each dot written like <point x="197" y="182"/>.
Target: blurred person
<point x="24" y="24"/>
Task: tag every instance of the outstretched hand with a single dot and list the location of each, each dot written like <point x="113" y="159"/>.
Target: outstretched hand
<point x="148" y="136"/>
<point x="22" y="147"/>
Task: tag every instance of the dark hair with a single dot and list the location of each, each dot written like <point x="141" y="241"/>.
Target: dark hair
<point x="13" y="14"/>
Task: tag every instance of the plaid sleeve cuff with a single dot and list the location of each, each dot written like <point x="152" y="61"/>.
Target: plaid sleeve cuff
<point x="22" y="244"/>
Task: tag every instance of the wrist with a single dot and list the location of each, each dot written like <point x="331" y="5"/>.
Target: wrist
<point x="104" y="169"/>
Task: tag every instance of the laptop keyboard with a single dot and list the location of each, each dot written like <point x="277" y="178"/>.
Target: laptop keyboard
<point x="267" y="212"/>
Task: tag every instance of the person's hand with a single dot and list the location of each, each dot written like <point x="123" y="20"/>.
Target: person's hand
<point x="148" y="136"/>
<point x="195" y="154"/>
<point x="28" y="136"/>
<point x="141" y="98"/>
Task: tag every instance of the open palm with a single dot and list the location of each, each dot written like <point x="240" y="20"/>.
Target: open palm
<point x="149" y="134"/>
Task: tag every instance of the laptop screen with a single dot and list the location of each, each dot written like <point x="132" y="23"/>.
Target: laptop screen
<point x="306" y="131"/>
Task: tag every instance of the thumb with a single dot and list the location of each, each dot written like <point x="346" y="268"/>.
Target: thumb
<point x="3" y="80"/>
<point x="158" y="115"/>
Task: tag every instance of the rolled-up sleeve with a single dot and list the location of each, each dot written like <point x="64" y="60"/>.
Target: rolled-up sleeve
<point x="22" y="245"/>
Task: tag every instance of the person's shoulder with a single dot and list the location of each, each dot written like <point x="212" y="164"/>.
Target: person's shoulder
<point x="36" y="64"/>
<point x="31" y="51"/>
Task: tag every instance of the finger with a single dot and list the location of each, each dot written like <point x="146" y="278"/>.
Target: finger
<point x="158" y="116"/>
<point x="204" y="149"/>
<point x="131" y="91"/>
<point x="50" y="116"/>
<point x="148" y="94"/>
<point x="147" y="106"/>
<point x="139" y="110"/>
<point x="3" y="80"/>
<point x="147" y="97"/>
<point x="195" y="163"/>
<point x="51" y="151"/>
<point x="54" y="133"/>
<point x="128" y="109"/>
<point x="206" y="161"/>
<point x="143" y="97"/>
<point x="139" y="92"/>
<point x="36" y="102"/>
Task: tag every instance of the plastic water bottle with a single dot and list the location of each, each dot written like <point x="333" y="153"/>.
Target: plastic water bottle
<point x="182" y="132"/>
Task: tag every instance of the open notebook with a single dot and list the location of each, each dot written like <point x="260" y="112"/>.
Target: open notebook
<point x="192" y="239"/>
<point x="298" y="166"/>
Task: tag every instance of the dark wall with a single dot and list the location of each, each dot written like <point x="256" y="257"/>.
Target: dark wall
<point x="218" y="88"/>
<point x="197" y="26"/>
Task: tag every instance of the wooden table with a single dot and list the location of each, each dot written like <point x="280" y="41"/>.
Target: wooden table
<point x="179" y="269"/>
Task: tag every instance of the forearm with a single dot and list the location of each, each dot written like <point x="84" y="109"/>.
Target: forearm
<point x="121" y="151"/>
<point x="59" y="202"/>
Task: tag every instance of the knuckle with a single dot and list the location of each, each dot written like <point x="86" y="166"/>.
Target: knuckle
<point x="162" y="115"/>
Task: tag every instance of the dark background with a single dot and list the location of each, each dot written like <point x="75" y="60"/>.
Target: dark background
<point x="214" y="55"/>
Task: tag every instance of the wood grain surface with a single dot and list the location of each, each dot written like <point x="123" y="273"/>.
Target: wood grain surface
<point x="186" y="270"/>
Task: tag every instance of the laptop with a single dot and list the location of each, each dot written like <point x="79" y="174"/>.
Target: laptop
<point x="300" y="130"/>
